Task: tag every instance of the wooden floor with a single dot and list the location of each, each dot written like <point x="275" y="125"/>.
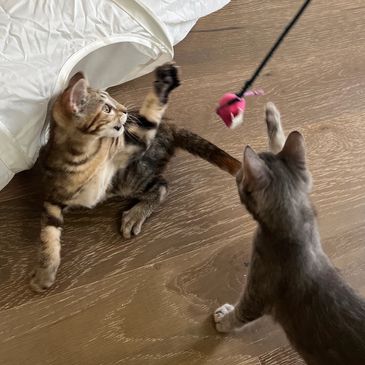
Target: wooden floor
<point x="149" y="300"/>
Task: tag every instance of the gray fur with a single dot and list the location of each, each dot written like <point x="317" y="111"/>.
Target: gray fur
<point x="290" y="277"/>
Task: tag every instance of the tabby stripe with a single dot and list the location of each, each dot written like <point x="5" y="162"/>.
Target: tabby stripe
<point x="99" y="127"/>
<point x="56" y="202"/>
<point x="50" y="220"/>
<point x="153" y="182"/>
<point x="87" y="128"/>
<point x="52" y="215"/>
<point x="145" y="123"/>
<point x="74" y="151"/>
<point x="50" y="169"/>
<point x="133" y="139"/>
<point x="86" y="159"/>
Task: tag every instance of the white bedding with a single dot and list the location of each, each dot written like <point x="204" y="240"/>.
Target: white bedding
<point x="43" y="43"/>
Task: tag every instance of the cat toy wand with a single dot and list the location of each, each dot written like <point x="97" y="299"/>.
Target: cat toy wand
<point x="232" y="106"/>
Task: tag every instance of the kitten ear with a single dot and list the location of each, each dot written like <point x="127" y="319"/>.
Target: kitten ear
<point x="294" y="149"/>
<point x="75" y="95"/>
<point x="78" y="76"/>
<point x="256" y="173"/>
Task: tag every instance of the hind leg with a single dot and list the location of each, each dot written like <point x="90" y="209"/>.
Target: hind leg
<point x="134" y="218"/>
<point x="274" y="128"/>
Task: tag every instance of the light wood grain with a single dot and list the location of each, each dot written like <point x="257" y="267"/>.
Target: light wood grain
<point x="149" y="300"/>
<point x="281" y="356"/>
<point x="160" y="313"/>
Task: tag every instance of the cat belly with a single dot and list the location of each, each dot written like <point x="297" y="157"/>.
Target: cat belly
<point x="95" y="190"/>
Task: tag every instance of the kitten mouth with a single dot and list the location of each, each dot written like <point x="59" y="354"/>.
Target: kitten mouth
<point x="118" y="128"/>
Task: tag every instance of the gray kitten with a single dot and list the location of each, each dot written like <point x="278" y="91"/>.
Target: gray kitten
<point x="290" y="277"/>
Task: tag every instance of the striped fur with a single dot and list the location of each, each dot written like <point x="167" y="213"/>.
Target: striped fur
<point x="96" y="151"/>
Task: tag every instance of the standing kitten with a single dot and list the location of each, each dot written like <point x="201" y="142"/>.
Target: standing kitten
<point x="290" y="276"/>
<point x="96" y="151"/>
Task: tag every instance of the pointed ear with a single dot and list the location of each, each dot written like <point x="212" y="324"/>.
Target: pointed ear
<point x="74" y="97"/>
<point x="257" y="175"/>
<point x="294" y="149"/>
<point x="78" y="76"/>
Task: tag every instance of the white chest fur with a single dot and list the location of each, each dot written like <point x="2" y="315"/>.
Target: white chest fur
<point x="94" y="190"/>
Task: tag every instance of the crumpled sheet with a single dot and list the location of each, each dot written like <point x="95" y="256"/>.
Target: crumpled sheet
<point x="43" y="43"/>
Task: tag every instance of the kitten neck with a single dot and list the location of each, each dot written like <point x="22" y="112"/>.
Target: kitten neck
<point x="75" y="140"/>
<point x="291" y="222"/>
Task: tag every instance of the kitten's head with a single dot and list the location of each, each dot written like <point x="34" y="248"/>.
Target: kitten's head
<point x="273" y="186"/>
<point x="81" y="108"/>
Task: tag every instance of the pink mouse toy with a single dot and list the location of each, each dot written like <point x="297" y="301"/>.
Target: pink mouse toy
<point x="232" y="106"/>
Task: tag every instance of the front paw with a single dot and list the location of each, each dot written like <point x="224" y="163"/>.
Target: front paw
<point x="225" y="318"/>
<point x="272" y="118"/>
<point x="167" y="79"/>
<point x="42" y="279"/>
<point x="133" y="220"/>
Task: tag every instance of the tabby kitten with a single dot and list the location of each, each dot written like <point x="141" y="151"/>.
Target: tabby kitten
<point x="290" y="277"/>
<point x="96" y="151"/>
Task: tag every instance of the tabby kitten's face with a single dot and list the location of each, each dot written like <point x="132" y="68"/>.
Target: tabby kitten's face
<point x="92" y="112"/>
<point x="272" y="185"/>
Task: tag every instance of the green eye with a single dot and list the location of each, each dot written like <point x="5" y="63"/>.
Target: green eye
<point x="107" y="108"/>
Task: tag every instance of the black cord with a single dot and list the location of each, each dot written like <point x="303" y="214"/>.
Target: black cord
<point x="249" y="82"/>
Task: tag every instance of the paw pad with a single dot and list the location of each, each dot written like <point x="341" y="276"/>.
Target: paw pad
<point x="223" y="318"/>
<point x="167" y="79"/>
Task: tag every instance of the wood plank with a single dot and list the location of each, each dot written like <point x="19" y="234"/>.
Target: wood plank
<point x="160" y="313"/>
<point x="281" y="356"/>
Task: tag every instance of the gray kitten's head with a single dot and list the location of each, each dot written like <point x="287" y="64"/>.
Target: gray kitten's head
<point x="272" y="187"/>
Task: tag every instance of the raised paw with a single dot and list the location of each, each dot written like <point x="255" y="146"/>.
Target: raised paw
<point x="167" y="79"/>
<point x="42" y="279"/>
<point x="225" y="318"/>
<point x="272" y="118"/>
<point x="274" y="128"/>
<point x="133" y="220"/>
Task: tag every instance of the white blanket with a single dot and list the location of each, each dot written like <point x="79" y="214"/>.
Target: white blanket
<point x="43" y="43"/>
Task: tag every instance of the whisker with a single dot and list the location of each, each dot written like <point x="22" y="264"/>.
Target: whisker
<point x="132" y="118"/>
<point x="131" y="135"/>
<point x="130" y="106"/>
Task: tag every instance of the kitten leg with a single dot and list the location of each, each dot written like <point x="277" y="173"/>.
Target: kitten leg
<point x="49" y="254"/>
<point x="155" y="104"/>
<point x="134" y="218"/>
<point x="228" y="318"/>
<point x="145" y="129"/>
<point x="167" y="79"/>
<point x="274" y="129"/>
<point x="225" y="319"/>
<point x="251" y="304"/>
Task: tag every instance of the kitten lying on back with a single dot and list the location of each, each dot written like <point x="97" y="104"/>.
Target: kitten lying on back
<point x="96" y="151"/>
<point x="290" y="276"/>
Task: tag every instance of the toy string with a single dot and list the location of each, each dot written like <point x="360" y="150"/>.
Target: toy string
<point x="249" y="82"/>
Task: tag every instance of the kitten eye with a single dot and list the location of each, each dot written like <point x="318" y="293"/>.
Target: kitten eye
<point x="107" y="108"/>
